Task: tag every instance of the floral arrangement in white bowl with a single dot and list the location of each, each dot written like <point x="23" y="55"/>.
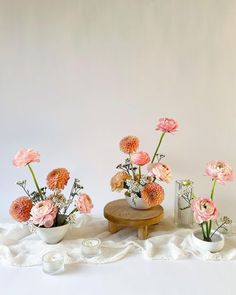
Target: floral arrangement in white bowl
<point x="141" y="189"/>
<point x="46" y="211"/>
<point x="205" y="210"/>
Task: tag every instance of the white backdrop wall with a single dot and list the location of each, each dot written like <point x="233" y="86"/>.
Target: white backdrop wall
<point x="76" y="76"/>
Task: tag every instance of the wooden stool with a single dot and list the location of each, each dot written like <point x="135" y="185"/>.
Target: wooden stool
<point x="119" y="214"/>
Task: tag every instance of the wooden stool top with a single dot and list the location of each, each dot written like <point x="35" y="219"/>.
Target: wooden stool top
<point x="120" y="212"/>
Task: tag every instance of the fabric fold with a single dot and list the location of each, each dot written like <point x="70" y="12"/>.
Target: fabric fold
<point x="20" y="247"/>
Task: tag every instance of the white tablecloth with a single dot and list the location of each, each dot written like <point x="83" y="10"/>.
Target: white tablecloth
<point x="19" y="247"/>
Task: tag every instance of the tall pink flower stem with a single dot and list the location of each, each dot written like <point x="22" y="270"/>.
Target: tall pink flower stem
<point x="35" y="181"/>
<point x="213" y="189"/>
<point x="158" y="146"/>
<point x="212" y="197"/>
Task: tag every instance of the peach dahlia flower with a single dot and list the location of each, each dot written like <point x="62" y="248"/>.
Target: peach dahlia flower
<point x="152" y="194"/>
<point x="20" y="209"/>
<point x="129" y="144"/>
<point x="57" y="179"/>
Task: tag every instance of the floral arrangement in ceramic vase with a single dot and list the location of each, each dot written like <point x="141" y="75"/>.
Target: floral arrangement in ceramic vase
<point x="47" y="210"/>
<point x="204" y="208"/>
<point x="139" y="185"/>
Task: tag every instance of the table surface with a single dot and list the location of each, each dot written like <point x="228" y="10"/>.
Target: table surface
<point x="134" y="274"/>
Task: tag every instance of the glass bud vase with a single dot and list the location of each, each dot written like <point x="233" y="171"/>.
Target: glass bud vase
<point x="183" y="198"/>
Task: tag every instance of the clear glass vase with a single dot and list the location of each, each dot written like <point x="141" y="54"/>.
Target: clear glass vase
<point x="183" y="198"/>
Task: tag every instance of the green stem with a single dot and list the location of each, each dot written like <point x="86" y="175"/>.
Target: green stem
<point x="35" y="181"/>
<point x="139" y="171"/>
<point x="212" y="197"/>
<point x="207" y="231"/>
<point x="203" y="232"/>
<point x="132" y="167"/>
<point x="213" y="189"/>
<point x="158" y="146"/>
<point x="73" y="211"/>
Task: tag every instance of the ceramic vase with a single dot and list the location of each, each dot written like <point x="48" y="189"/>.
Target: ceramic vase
<point x="137" y="203"/>
<point x="52" y="235"/>
<point x="215" y="245"/>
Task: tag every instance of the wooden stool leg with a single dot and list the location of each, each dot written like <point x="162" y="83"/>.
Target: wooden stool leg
<point x="112" y="227"/>
<point x="143" y="232"/>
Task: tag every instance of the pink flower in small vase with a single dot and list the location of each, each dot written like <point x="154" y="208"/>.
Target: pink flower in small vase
<point x="25" y="156"/>
<point x="160" y="170"/>
<point x="167" y="125"/>
<point x="84" y="203"/>
<point x="204" y="209"/>
<point x="140" y="158"/>
<point x="220" y="171"/>
<point x="44" y="213"/>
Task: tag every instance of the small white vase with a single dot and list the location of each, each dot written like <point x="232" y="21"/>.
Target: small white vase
<point x="52" y="235"/>
<point x="137" y="203"/>
<point x="216" y="245"/>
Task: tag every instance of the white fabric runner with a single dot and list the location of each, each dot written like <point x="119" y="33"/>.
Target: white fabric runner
<point x="19" y="247"/>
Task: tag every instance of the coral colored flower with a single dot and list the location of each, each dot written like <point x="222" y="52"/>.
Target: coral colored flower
<point x="204" y="209"/>
<point x="118" y="180"/>
<point x="20" y="209"/>
<point x="167" y="125"/>
<point x="129" y="144"/>
<point x="25" y="156"/>
<point x="57" y="179"/>
<point x="44" y="213"/>
<point x="160" y="171"/>
<point x="220" y="171"/>
<point x="84" y="203"/>
<point x="140" y="158"/>
<point x="152" y="194"/>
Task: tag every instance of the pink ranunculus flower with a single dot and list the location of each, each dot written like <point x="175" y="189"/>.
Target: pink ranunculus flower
<point x="160" y="170"/>
<point x="140" y="158"/>
<point x="220" y="171"/>
<point x="204" y="209"/>
<point x="25" y="156"/>
<point x="44" y="213"/>
<point x="167" y="125"/>
<point x="84" y="203"/>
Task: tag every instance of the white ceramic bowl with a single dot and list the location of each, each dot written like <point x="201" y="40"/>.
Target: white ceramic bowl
<point x="216" y="245"/>
<point x="52" y="235"/>
<point x="137" y="203"/>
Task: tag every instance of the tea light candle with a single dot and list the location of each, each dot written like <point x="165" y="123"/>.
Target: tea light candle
<point x="53" y="262"/>
<point x="91" y="247"/>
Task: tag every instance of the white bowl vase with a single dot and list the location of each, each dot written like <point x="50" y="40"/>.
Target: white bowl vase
<point x="137" y="203"/>
<point x="216" y="245"/>
<point x="52" y="235"/>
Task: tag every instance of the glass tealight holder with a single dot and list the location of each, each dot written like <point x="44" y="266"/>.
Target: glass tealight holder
<point x="91" y="247"/>
<point x="53" y="262"/>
